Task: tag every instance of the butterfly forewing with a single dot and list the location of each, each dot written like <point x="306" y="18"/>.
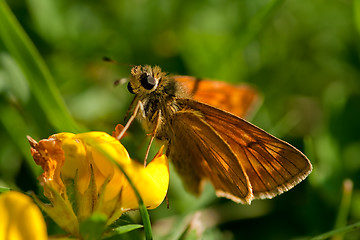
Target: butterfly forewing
<point x="206" y="156"/>
<point x="239" y="100"/>
<point x="271" y="165"/>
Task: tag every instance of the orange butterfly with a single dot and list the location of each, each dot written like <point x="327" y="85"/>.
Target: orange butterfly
<point x="200" y="122"/>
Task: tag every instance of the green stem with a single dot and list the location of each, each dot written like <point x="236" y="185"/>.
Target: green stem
<point x="341" y="219"/>
<point x="352" y="227"/>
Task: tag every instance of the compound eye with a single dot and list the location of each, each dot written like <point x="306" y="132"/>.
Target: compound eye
<point x="130" y="89"/>
<point x="147" y="81"/>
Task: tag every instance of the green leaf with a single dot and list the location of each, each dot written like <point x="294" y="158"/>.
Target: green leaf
<point x="126" y="228"/>
<point x="4" y="189"/>
<point x="93" y="227"/>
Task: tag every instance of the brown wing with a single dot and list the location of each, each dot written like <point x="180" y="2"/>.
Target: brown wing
<point x="271" y="165"/>
<point x="198" y="153"/>
<point x="239" y="100"/>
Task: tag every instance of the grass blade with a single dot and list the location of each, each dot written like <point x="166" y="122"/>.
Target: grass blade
<point x="9" y="117"/>
<point x="40" y="80"/>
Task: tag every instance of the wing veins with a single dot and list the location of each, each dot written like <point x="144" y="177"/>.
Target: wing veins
<point x="214" y="153"/>
<point x="282" y="148"/>
<point x="279" y="162"/>
<point x="266" y="148"/>
<point x="252" y="166"/>
<point x="269" y="164"/>
<point x="232" y="185"/>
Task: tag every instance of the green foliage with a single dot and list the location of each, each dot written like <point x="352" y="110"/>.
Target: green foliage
<point x="32" y="65"/>
<point x="125" y="229"/>
<point x="93" y="227"/>
<point x="303" y="56"/>
<point x="4" y="189"/>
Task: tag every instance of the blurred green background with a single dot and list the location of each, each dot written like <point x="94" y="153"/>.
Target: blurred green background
<point x="302" y="56"/>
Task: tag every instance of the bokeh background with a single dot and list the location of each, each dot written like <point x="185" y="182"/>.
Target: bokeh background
<point x="302" y="56"/>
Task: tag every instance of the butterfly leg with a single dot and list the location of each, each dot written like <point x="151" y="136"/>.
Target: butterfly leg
<point x="139" y="106"/>
<point x="153" y="134"/>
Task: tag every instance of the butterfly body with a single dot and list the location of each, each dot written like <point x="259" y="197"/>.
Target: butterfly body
<point x="242" y="161"/>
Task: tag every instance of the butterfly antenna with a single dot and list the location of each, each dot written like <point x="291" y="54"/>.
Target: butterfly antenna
<point x="110" y="60"/>
<point x="107" y="59"/>
<point x="122" y="80"/>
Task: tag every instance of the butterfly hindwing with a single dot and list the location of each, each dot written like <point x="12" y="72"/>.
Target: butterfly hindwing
<point x="239" y="100"/>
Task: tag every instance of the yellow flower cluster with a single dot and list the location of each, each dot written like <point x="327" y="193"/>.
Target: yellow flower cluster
<point x="84" y="174"/>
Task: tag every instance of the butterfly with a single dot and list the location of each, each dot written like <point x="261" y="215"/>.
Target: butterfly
<point x="201" y="122"/>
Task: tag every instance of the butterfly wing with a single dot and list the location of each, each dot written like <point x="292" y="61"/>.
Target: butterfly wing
<point x="199" y="153"/>
<point x="239" y="100"/>
<point x="271" y="165"/>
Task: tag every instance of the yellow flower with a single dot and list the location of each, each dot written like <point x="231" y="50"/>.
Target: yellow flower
<point x="81" y="162"/>
<point x="20" y="218"/>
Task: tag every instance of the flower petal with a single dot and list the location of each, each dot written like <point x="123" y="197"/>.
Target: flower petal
<point x="20" y="218"/>
<point x="103" y="167"/>
<point x="76" y="160"/>
<point x="152" y="182"/>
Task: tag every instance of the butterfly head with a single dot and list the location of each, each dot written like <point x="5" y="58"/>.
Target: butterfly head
<point x="145" y="79"/>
